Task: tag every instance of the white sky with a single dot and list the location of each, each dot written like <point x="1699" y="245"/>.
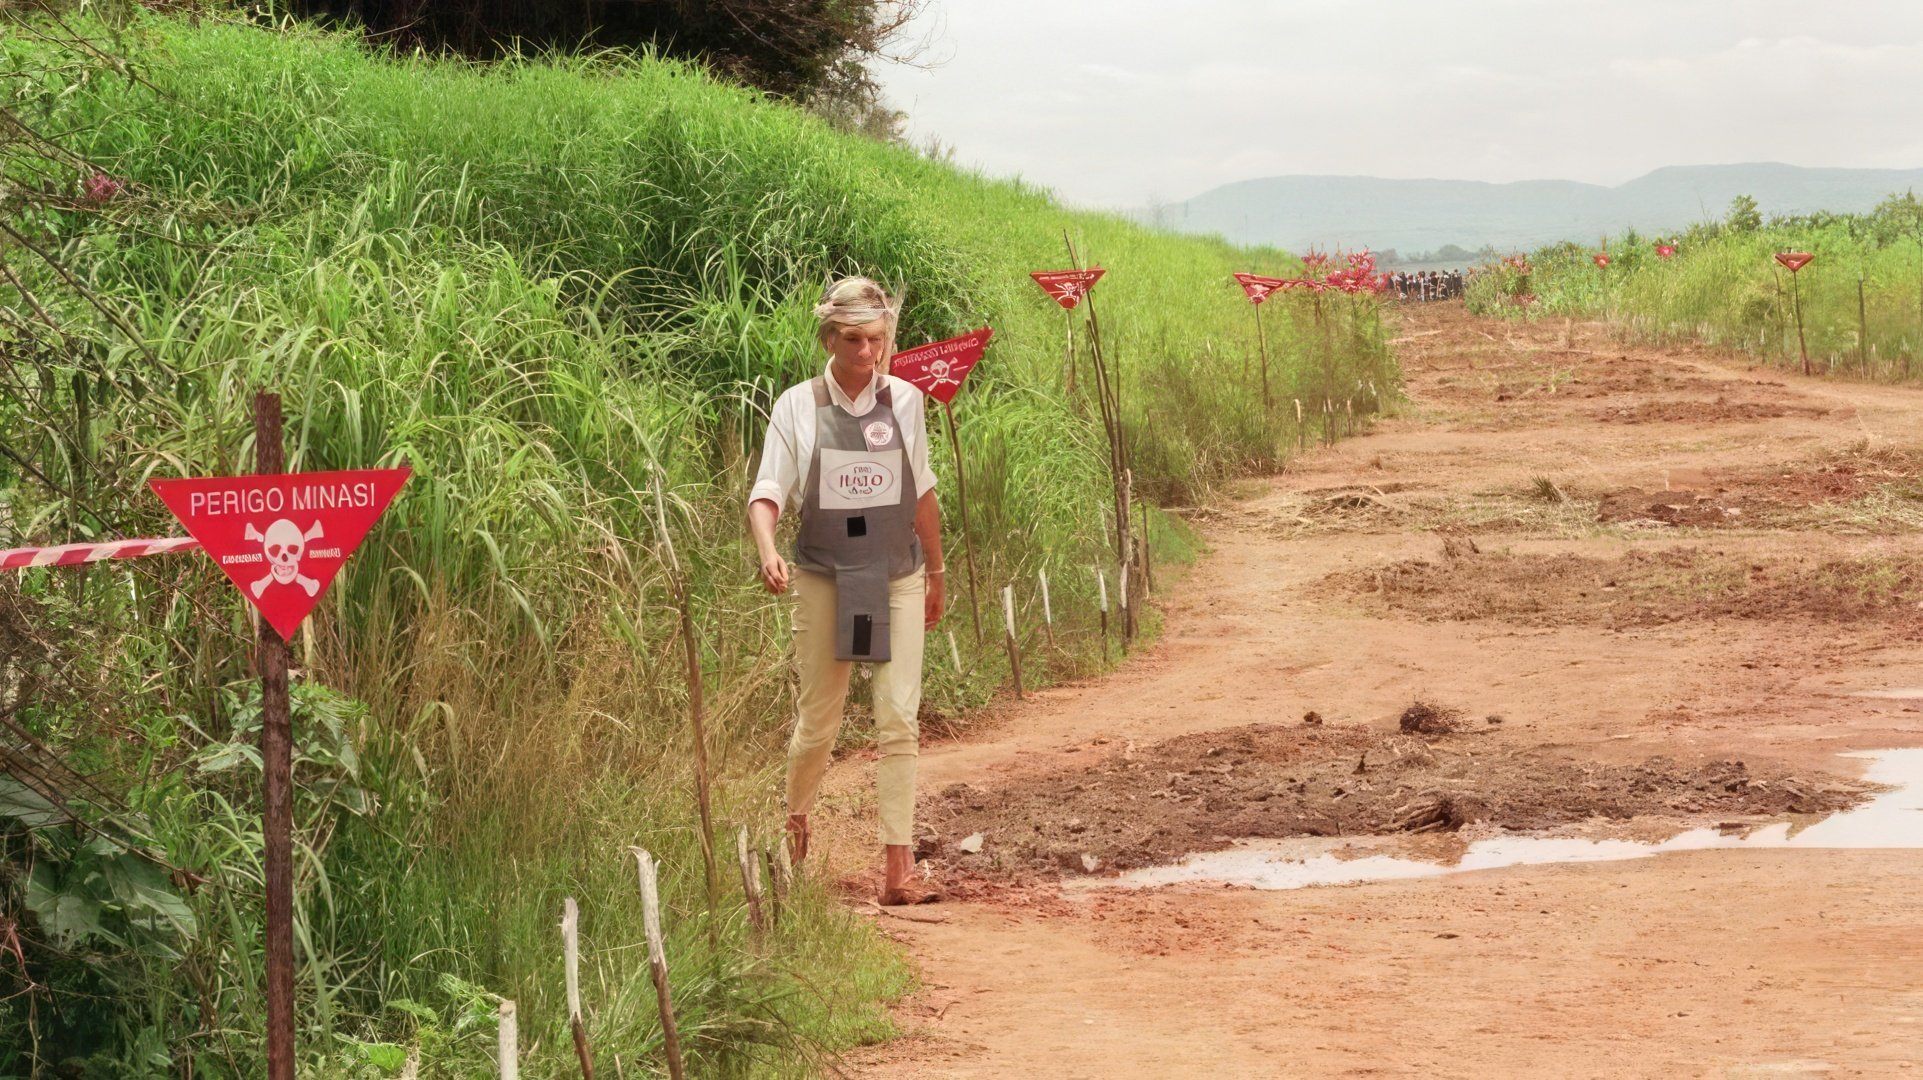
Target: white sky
<point x="1112" y="102"/>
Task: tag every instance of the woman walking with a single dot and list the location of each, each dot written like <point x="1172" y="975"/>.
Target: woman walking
<point x="849" y="450"/>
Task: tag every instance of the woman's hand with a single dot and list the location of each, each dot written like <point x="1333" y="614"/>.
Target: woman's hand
<point x="774" y="573"/>
<point x="933" y="601"/>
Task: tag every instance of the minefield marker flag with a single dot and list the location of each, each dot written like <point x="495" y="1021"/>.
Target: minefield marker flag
<point x="281" y="538"/>
<point x="1257" y="288"/>
<point x="938" y="368"/>
<point x="1067" y="287"/>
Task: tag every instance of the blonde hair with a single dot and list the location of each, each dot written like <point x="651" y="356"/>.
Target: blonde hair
<point x="855" y="301"/>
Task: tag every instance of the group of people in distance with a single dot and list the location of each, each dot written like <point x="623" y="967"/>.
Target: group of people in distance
<point x="1425" y="285"/>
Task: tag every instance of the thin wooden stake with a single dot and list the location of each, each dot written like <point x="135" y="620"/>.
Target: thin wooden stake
<point x="658" y="959"/>
<point x="507" y="1043"/>
<point x="277" y="787"/>
<point x="1148" y="559"/>
<point x="1048" y="610"/>
<point x="1014" y="650"/>
<point x="750" y="881"/>
<point x="1263" y="337"/>
<point x="968" y="534"/>
<point x="1121" y="597"/>
<point x="697" y="713"/>
<point x="571" y="956"/>
<point x="777" y="887"/>
<point x="1101" y="590"/>
<point x="1862" y="329"/>
<point x="1796" y="289"/>
<point x="954" y="652"/>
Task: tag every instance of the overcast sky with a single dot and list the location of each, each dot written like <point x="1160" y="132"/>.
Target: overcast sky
<point x="1112" y="102"/>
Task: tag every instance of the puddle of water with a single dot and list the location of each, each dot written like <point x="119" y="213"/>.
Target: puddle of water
<point x="1893" y="819"/>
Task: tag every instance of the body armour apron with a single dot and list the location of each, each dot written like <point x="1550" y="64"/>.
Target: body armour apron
<point x="858" y="518"/>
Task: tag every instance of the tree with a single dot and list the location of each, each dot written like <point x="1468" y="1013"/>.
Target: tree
<point x="794" y="48"/>
<point x="1743" y="216"/>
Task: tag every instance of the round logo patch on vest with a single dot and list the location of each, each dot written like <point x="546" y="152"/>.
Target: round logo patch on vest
<point x="877" y="434"/>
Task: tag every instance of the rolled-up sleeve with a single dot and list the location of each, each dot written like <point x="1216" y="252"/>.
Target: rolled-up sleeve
<point x="780" y="472"/>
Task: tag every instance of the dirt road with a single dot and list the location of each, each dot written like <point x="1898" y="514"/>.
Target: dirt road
<point x="1619" y="553"/>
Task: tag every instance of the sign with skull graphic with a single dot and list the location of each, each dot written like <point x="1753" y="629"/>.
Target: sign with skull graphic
<point x="281" y="538"/>
<point x="938" y="368"/>
<point x="1067" y="287"/>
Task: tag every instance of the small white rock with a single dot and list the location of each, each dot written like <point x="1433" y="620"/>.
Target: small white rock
<point x="1090" y="862"/>
<point x="971" y="845"/>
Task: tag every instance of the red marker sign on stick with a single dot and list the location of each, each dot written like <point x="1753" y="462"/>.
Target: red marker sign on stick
<point x="1067" y="287"/>
<point x="1794" y="260"/>
<point x="938" y="368"/>
<point x="1258" y="288"/>
<point x="282" y="538"/>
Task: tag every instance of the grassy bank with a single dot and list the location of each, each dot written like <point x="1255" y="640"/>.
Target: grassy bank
<point x="1862" y="295"/>
<point x="565" y="291"/>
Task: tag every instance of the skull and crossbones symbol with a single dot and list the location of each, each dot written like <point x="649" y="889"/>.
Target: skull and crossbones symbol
<point x="284" y="543"/>
<point x="941" y="372"/>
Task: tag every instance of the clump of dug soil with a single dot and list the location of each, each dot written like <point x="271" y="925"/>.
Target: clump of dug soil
<point x="1427" y="718"/>
<point x="1704" y="412"/>
<point x="1645" y="588"/>
<point x="1201" y="792"/>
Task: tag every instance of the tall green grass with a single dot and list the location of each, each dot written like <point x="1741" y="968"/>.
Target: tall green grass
<point x="565" y="291"/>
<point x="1724" y="287"/>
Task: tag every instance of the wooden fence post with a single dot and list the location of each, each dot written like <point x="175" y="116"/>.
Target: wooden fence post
<point x="658" y="959"/>
<point x="571" y="958"/>
<point x="750" y="881"/>
<point x="508" y="1041"/>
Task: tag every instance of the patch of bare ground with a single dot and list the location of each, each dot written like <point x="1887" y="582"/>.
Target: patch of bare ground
<point x="1720" y="409"/>
<point x="1646" y="588"/>
<point x="1201" y="792"/>
<point x="1881" y="479"/>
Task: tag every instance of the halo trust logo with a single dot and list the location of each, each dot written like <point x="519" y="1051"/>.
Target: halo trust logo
<point x="877" y="434"/>
<point x="863" y="481"/>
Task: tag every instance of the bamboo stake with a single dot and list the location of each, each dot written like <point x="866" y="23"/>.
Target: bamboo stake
<point x="658" y="958"/>
<point x="571" y="954"/>
<point x="697" y="719"/>
<point x="1014" y="650"/>
<point x="750" y="881"/>
<point x="954" y="652"/>
<point x="508" y="1040"/>
<point x="1048" y="610"/>
<point x="968" y="534"/>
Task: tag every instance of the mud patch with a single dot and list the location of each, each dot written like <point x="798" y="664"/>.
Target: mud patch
<point x="1703" y="412"/>
<point x="1204" y="792"/>
<point x="1644" y="588"/>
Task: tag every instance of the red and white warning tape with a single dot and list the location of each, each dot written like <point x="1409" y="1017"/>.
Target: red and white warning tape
<point x="70" y="554"/>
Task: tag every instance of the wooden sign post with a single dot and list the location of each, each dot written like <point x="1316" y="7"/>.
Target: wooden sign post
<point x="281" y="538"/>
<point x="1794" y="261"/>
<point x="937" y="370"/>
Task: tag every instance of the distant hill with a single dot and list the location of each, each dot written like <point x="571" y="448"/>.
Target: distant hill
<point x="1297" y="212"/>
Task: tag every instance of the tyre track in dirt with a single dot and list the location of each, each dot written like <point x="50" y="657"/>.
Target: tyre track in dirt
<point x="1710" y="963"/>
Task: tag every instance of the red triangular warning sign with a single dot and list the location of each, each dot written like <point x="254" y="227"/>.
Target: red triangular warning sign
<point x="1795" y="260"/>
<point x="1258" y="288"/>
<point x="282" y="537"/>
<point x="1067" y="287"/>
<point x="938" y="368"/>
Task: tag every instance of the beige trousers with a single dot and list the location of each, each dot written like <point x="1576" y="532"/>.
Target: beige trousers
<point x="824" y="692"/>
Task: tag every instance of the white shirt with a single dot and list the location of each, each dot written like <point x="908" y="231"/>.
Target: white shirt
<point x="790" y="444"/>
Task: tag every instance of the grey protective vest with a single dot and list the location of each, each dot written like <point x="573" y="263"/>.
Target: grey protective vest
<point x="858" y="518"/>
